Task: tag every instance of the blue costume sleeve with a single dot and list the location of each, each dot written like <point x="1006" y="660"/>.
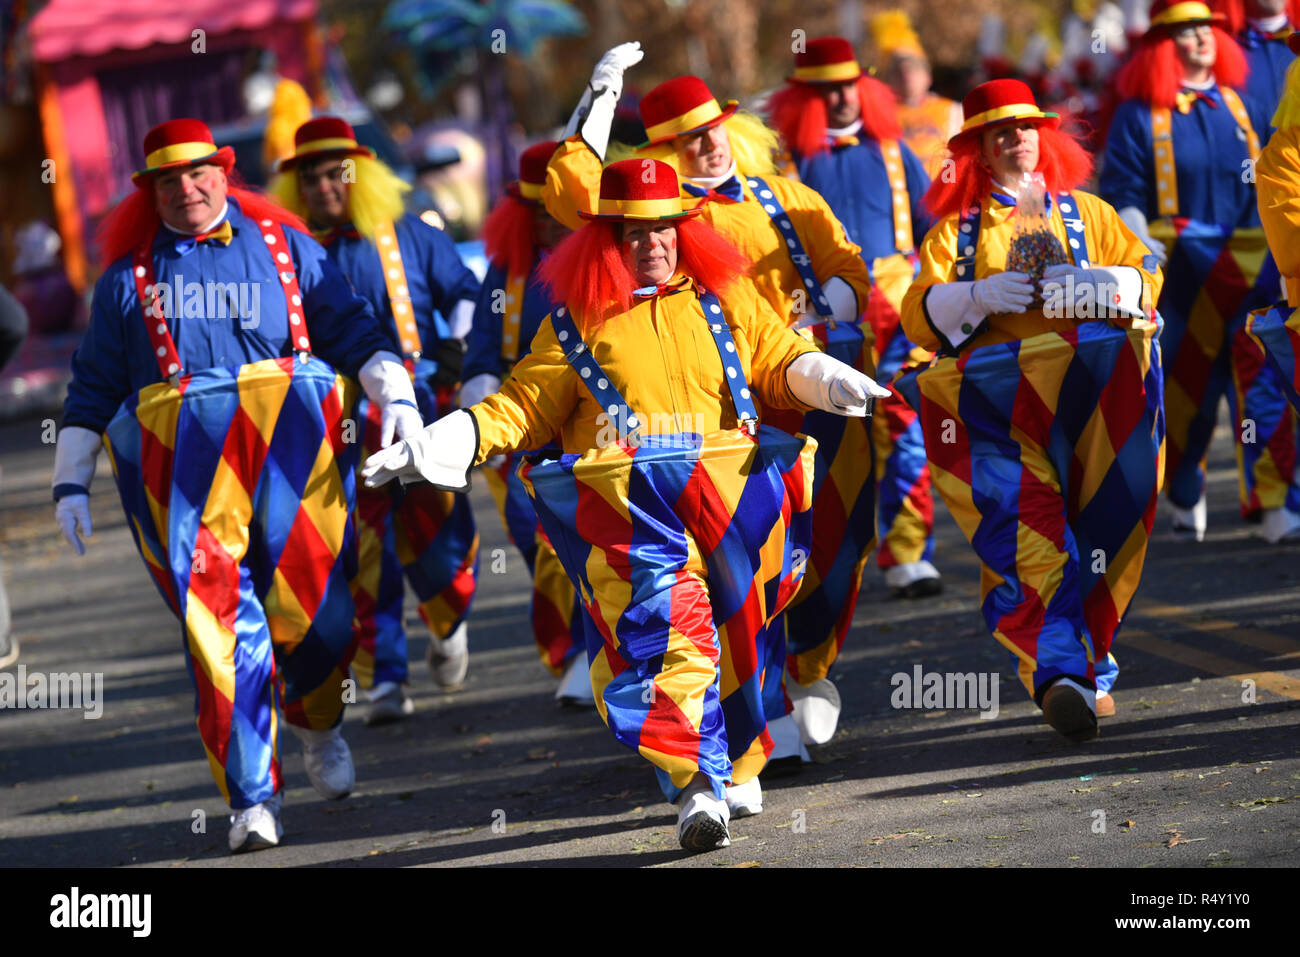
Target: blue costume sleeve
<point x="1127" y="169"/>
<point x="918" y="181"/>
<point x="100" y="378"/>
<point x="484" y="354"/>
<point x="343" y="328"/>
<point x="450" y="280"/>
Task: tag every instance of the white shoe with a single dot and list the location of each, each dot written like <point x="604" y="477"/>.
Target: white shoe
<point x="1280" y="525"/>
<point x="702" y="818"/>
<point x="448" y="658"/>
<point x="786" y="740"/>
<point x="575" y="684"/>
<point x="256" y="827"/>
<point x="745" y="800"/>
<point x="388" y="703"/>
<point x="816" y="709"/>
<point x="1189" y="523"/>
<point x="328" y="760"/>
<point x="914" y="580"/>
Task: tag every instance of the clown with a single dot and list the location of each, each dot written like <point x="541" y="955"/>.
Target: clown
<point x="680" y="520"/>
<point x="813" y="275"/>
<point x="412" y="276"/>
<point x="204" y="372"/>
<point x="874" y="184"/>
<point x="511" y="306"/>
<point x="1261" y="28"/>
<point x="1178" y="166"/>
<point x="1042" y="423"/>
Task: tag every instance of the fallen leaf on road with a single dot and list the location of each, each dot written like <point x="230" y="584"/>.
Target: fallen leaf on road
<point x="1129" y="824"/>
<point x="1260" y="802"/>
<point x="540" y="754"/>
<point x="1175" y="840"/>
<point x="747" y="864"/>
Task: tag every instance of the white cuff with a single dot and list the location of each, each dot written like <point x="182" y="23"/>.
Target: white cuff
<point x="386" y="380"/>
<point x="74" y="456"/>
<point x="461" y="319"/>
<point x="951" y="309"/>
<point x="842" y="299"/>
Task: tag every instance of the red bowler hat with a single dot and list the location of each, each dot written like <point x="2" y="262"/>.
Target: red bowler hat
<point x="680" y="106"/>
<point x="178" y="143"/>
<point x="1171" y="14"/>
<point x="997" y="102"/>
<point x="826" y="60"/>
<point x="324" y="136"/>
<point x="532" y="172"/>
<point x="641" y="190"/>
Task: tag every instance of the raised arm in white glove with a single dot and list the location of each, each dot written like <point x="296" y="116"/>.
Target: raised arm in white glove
<point x="441" y="454"/>
<point x="74" y="468"/>
<point x="826" y="383"/>
<point x="388" y="385"/>
<point x="1136" y="220"/>
<point x="595" y="112"/>
<point x="958" y="309"/>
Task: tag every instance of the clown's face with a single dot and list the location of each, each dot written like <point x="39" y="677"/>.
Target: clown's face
<point x="650" y="251"/>
<point x="1196" y="48"/>
<point x="189" y="198"/>
<point x="323" y="187"/>
<point x="703" y="154"/>
<point x="1010" y="150"/>
<point x="549" y="231"/>
<point x="843" y="103"/>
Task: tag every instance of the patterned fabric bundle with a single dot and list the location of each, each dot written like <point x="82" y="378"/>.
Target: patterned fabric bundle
<point x="238" y="489"/>
<point x="683" y="549"/>
<point x="1049" y="453"/>
<point x="1214" y="277"/>
<point x="426" y="534"/>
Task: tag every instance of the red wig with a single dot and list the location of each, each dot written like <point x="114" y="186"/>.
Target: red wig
<point x="510" y="236"/>
<point x="1153" y="73"/>
<point x="798" y="113"/>
<point x="1235" y="11"/>
<point x="1063" y="162"/>
<point x="135" y="220"/>
<point x="586" y="271"/>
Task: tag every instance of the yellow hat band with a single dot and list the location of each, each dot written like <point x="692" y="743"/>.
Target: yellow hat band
<point x="530" y="190"/>
<point x="648" y="209"/>
<point x="1182" y="13"/>
<point x="1011" y="111"/>
<point x="326" y="145"/>
<point x="692" y="119"/>
<point x="829" y="72"/>
<point x="178" y="153"/>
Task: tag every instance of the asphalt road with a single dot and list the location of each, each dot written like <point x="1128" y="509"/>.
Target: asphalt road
<point x="1187" y="774"/>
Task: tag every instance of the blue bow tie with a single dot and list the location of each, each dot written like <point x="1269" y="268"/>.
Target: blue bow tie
<point x="730" y="189"/>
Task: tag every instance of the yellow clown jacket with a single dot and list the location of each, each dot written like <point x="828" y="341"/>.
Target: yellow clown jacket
<point x="1110" y="243"/>
<point x="573" y="183"/>
<point x="661" y="356"/>
<point x="1277" y="179"/>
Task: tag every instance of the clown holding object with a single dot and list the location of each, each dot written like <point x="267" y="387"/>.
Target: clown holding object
<point x="204" y="370"/>
<point x="682" y="522"/>
<point x="414" y="279"/>
<point x="1043" y="426"/>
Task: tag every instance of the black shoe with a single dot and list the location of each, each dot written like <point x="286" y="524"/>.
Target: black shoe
<point x="921" y="588"/>
<point x="1065" y="710"/>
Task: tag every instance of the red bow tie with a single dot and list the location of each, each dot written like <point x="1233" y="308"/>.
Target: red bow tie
<point x="1186" y="99"/>
<point x="338" y="232"/>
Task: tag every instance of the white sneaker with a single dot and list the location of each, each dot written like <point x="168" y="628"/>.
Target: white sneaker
<point x="388" y="703"/>
<point x="448" y="658"/>
<point x="575" y="684"/>
<point x="1189" y="523"/>
<point x="816" y="709"/>
<point x="328" y="760"/>
<point x="745" y="800"/>
<point x="1280" y="525"/>
<point x="702" y="818"/>
<point x="914" y="580"/>
<point x="256" y="827"/>
<point x="787" y="742"/>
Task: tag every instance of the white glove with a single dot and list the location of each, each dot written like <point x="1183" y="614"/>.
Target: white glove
<point x="477" y="388"/>
<point x="1005" y="292"/>
<point x="1098" y="292"/>
<point x="594" y="114"/>
<point x="386" y="380"/>
<point x="72" y="512"/>
<point x="826" y="383"/>
<point x="1136" y="220"/>
<point x="441" y="454"/>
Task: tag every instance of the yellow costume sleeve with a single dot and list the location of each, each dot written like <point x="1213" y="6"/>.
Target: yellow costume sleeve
<point x="532" y="404"/>
<point x="1277" y="180"/>
<point x="572" y="183"/>
<point x="938" y="255"/>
